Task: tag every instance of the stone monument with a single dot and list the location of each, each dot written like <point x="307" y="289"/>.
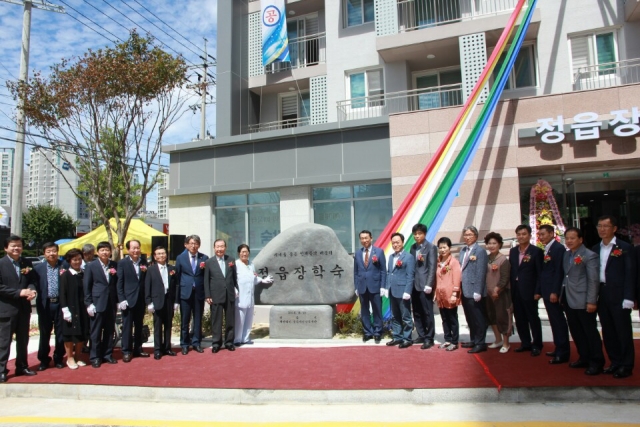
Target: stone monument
<point x="312" y="272"/>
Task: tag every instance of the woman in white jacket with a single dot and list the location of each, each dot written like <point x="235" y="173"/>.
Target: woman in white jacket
<point x="247" y="280"/>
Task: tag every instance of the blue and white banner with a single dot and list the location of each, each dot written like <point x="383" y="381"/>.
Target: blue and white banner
<point x="275" y="44"/>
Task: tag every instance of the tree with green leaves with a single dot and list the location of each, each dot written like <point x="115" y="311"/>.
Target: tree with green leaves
<point x="45" y="223"/>
<point x="106" y="114"/>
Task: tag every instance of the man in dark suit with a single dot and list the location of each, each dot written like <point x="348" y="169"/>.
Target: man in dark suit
<point x="473" y="261"/>
<point x="48" y="307"/>
<point x="101" y="299"/>
<point x="160" y="292"/>
<point x="579" y="299"/>
<point x="17" y="289"/>
<point x="617" y="295"/>
<point x="400" y="274"/>
<point x="220" y="290"/>
<point x="549" y="287"/>
<point x="526" y="262"/>
<point x="426" y="256"/>
<point x="131" y="273"/>
<point x="190" y="293"/>
<point x="369" y="277"/>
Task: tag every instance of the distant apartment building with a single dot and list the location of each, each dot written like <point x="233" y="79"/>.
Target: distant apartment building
<point x="163" y="201"/>
<point x="6" y="171"/>
<point x="49" y="185"/>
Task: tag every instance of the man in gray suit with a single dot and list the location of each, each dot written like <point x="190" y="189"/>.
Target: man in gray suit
<point x="426" y="257"/>
<point x="220" y="291"/>
<point x="400" y="271"/>
<point x="473" y="261"/>
<point x="579" y="298"/>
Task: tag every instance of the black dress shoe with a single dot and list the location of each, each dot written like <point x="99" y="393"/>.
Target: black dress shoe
<point x="170" y="353"/>
<point x="377" y="339"/>
<point x="59" y="365"/>
<point x="3" y="378"/>
<point x="125" y="358"/>
<point x="394" y="342"/>
<point x="26" y="371"/>
<point x="557" y="360"/>
<point x="419" y="340"/>
<point x="535" y="352"/>
<point x="215" y="349"/>
<point x="523" y="349"/>
<point x="622" y="373"/>
<point x="111" y="360"/>
<point x="141" y="354"/>
<point x="185" y="350"/>
<point x="366" y="338"/>
<point x="43" y="368"/>
<point x="405" y="344"/>
<point x="467" y="345"/>
<point x="198" y="349"/>
<point x="96" y="363"/>
<point x="478" y="349"/>
<point x="611" y="370"/>
<point x="157" y="356"/>
<point x="551" y="353"/>
<point x="578" y="364"/>
<point x="593" y="371"/>
<point x="231" y="347"/>
<point x="427" y="345"/>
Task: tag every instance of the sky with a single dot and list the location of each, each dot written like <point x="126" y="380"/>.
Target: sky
<point x="178" y="26"/>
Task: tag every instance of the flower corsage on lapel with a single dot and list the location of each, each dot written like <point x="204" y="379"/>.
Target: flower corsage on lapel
<point x="616" y="252"/>
<point x="26" y="270"/>
<point x="172" y="272"/>
<point x="526" y="258"/>
<point x="399" y="263"/>
<point x="374" y="259"/>
<point x="230" y="265"/>
<point x="547" y="258"/>
<point x="112" y="271"/>
<point x="577" y="260"/>
<point x="202" y="265"/>
<point x="143" y="268"/>
<point x="494" y="267"/>
<point x="445" y="269"/>
<point x="472" y="258"/>
<point x="62" y="270"/>
<point x="420" y="257"/>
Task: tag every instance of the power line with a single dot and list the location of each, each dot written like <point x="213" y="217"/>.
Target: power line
<point x="89" y="19"/>
<point x="152" y="23"/>
<point x="127" y="29"/>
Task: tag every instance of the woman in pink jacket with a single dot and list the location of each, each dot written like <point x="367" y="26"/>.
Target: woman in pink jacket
<point x="448" y="279"/>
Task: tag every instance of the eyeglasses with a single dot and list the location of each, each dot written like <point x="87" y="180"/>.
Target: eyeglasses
<point x="604" y="226"/>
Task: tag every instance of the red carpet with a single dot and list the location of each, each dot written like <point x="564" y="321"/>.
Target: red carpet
<point x="332" y="368"/>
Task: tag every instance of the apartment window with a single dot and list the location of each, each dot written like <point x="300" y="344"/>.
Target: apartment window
<point x="248" y="218"/>
<point x="295" y="109"/>
<point x="523" y="73"/>
<point x="358" y="12"/>
<point x="594" y="49"/>
<point x="439" y="89"/>
<point x="363" y="84"/>
<point x="348" y="209"/>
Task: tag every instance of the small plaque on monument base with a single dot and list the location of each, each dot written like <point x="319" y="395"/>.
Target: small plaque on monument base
<point x="301" y="321"/>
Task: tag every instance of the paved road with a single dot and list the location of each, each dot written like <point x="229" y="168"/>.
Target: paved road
<point x="72" y="412"/>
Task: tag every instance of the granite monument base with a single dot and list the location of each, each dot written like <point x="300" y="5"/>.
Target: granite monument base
<point x="301" y="321"/>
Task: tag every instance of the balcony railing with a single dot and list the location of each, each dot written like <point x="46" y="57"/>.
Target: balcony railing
<point x="400" y="102"/>
<point x="280" y="124"/>
<point x="607" y="75"/>
<point x="304" y="52"/>
<point x="418" y="14"/>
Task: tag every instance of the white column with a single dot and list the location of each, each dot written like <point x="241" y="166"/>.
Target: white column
<point x="295" y="206"/>
<point x="193" y="214"/>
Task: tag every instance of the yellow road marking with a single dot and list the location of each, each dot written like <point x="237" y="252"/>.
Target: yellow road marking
<point x="168" y="423"/>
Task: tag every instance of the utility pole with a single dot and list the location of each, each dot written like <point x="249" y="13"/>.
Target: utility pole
<point x="203" y="84"/>
<point x="18" y="162"/>
<point x="203" y="113"/>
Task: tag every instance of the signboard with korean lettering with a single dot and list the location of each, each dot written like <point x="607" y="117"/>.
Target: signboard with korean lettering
<point x="275" y="43"/>
<point x="309" y="266"/>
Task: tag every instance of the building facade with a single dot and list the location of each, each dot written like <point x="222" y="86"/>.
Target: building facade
<point x="339" y="135"/>
<point x="163" y="201"/>
<point x="6" y="172"/>
<point x="49" y="185"/>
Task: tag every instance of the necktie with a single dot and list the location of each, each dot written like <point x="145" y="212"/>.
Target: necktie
<point x="464" y="258"/>
<point x="52" y="281"/>
<point x="366" y="257"/>
<point x="165" y="278"/>
<point x="16" y="265"/>
<point x="193" y="263"/>
<point x="221" y="263"/>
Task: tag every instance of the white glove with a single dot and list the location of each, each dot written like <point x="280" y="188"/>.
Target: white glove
<point x="267" y="280"/>
<point x="123" y="305"/>
<point x="236" y="293"/>
<point x="428" y="289"/>
<point x="383" y="292"/>
<point x="406" y="296"/>
<point x="627" y="305"/>
<point x="176" y="307"/>
<point x="357" y="294"/>
<point x="477" y="297"/>
<point x="91" y="310"/>
<point x="66" y="314"/>
<point x="151" y="308"/>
